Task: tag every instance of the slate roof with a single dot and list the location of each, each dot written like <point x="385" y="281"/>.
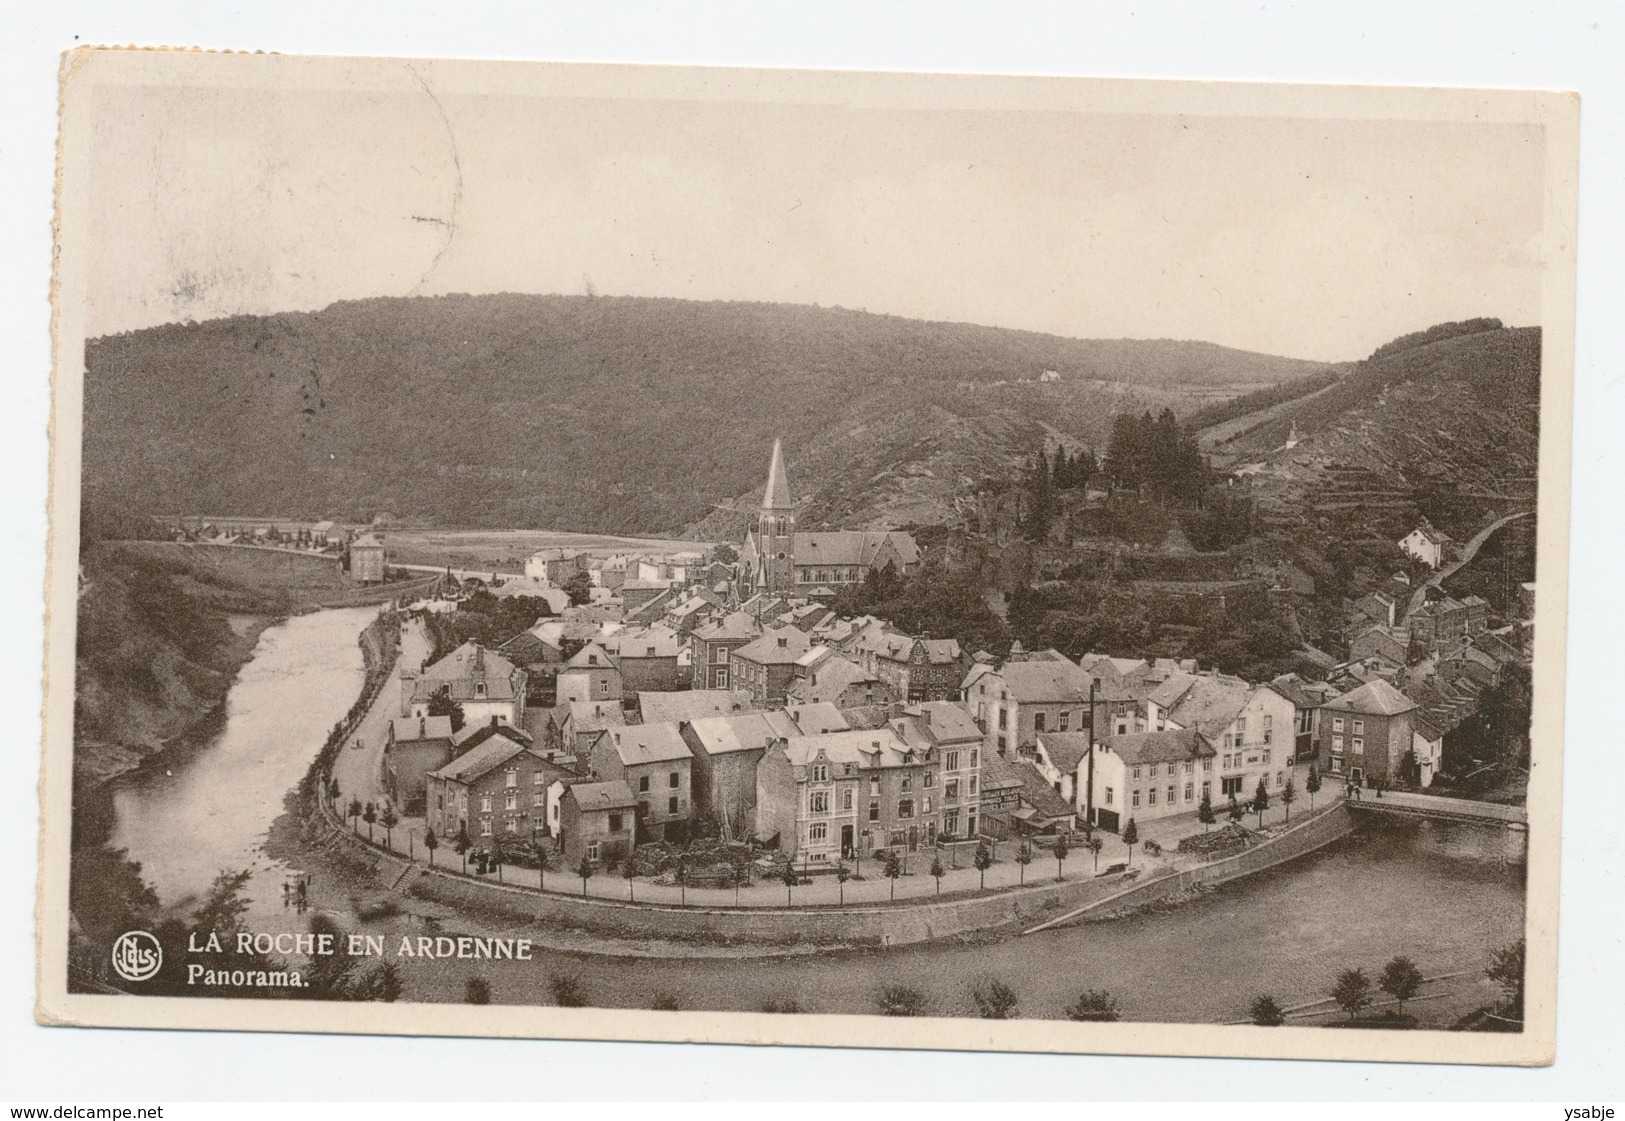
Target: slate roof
<point x="1158" y="747"/>
<point x="736" y="624"/>
<point x="614" y="795"/>
<point x="776" y="647"/>
<point x="645" y="642"/>
<point x="481" y="760"/>
<point x="471" y="735"/>
<point x="849" y="548"/>
<point x="1065" y="749"/>
<point x="752" y="731"/>
<point x="817" y="718"/>
<point x="1039" y="682"/>
<point x="693" y="704"/>
<point x="829" y="679"/>
<point x="649" y="743"/>
<point x="1377" y="698"/>
<point x="408" y="728"/>
<point x="999" y="773"/>
<point x="459" y="672"/>
<point x="1211" y="703"/>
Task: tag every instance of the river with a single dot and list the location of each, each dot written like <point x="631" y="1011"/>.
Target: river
<point x="1444" y="894"/>
<point x="211" y="811"/>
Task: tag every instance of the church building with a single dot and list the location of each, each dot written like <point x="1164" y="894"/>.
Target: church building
<point x="777" y="558"/>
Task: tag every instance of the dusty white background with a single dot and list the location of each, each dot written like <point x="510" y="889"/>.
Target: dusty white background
<point x="1551" y="45"/>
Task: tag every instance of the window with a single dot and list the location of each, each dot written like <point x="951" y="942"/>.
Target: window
<point x="846" y="798"/>
<point x="950" y="790"/>
<point x="1269" y="729"/>
<point x="1134" y="799"/>
<point x="1189" y="767"/>
<point x="925" y="804"/>
<point x="479" y="688"/>
<point x="973" y="786"/>
<point x="1337" y="764"/>
<point x="950" y="761"/>
<point x="820" y="772"/>
<point x="1108" y="795"/>
<point x="1038" y="721"/>
<point x="818" y="802"/>
<point x="874" y="809"/>
<point x="603" y="688"/>
<point x="1135" y="773"/>
<point x="538" y="779"/>
<point x="1066" y="721"/>
<point x="643" y="784"/>
<point x="930" y="779"/>
<point x="1337" y="743"/>
<point x="1280" y="778"/>
<point x="1359" y="727"/>
<point x="1151" y="796"/>
<point x="1337" y="723"/>
<point x="1173" y="795"/>
<point x="908" y="783"/>
<point x="1207" y="764"/>
<point x="676" y="780"/>
<point x="905" y="808"/>
<point x="672" y="804"/>
<point x="1153" y="773"/>
<point x="1207" y="790"/>
<point x="1190" y="791"/>
<point x="874" y="785"/>
<point x="510" y="800"/>
<point x="1357" y="745"/>
<point x="511" y="778"/>
<point x="818" y="831"/>
<point x="973" y="756"/>
<point x="950" y="822"/>
<point x="538" y="799"/>
<point x="485" y="803"/>
<point x="485" y="827"/>
<point x="614" y="823"/>
<point x="1241" y="730"/>
<point x="592" y="850"/>
<point x="1266" y="757"/>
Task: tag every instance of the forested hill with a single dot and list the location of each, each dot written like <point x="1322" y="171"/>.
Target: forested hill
<point x="604" y="413"/>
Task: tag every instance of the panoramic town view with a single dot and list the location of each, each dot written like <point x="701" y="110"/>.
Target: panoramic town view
<point x="1222" y="720"/>
<point x="983" y="563"/>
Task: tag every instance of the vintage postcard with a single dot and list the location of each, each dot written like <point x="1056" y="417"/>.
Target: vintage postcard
<point x="824" y="558"/>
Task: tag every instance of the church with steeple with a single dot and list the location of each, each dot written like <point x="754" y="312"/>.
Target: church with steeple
<point x="779" y="559"/>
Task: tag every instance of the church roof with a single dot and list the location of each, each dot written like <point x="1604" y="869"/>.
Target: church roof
<point x="777" y="495"/>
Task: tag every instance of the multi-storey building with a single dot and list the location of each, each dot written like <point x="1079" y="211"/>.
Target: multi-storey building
<point x="484" y="684"/>
<point x="1149" y="775"/>
<point x="1013" y="702"/>
<point x="766" y="667"/>
<point x="500" y="787"/>
<point x="713" y="645"/>
<point x="656" y="764"/>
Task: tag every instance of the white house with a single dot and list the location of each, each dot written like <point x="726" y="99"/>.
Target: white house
<point x="1425" y="544"/>
<point x="1148" y="775"/>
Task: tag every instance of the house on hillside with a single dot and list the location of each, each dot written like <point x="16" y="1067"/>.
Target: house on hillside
<point x="367" y="559"/>
<point x="1426" y="544"/>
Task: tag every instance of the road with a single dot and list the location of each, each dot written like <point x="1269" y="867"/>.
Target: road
<point x="1419" y="596"/>
<point x="360" y="770"/>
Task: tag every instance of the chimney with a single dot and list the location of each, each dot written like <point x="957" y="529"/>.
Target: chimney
<point x="479" y="658"/>
<point x="783" y="642"/>
<point x="495" y="720"/>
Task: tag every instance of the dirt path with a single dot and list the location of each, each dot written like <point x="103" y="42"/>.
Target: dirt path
<point x="1419" y="596"/>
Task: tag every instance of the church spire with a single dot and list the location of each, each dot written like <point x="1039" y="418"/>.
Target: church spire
<point x="777" y="496"/>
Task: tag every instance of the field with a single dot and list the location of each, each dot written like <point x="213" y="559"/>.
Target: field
<point x="506" y="550"/>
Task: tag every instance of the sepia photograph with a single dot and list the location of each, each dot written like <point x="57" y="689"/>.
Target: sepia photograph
<point x="807" y="557"/>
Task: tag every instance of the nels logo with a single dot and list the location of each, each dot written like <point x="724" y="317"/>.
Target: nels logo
<point x="137" y="955"/>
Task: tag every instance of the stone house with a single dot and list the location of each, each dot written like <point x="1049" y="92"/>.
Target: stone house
<point x="713" y="645"/>
<point x="656" y="764"/>
<point x="596" y="822"/>
<point x="726" y="751"/>
<point x="413" y="747"/>
<point x="1365" y="734"/>
<point x="1013" y="702"/>
<point x="590" y="675"/>
<point x="500" y="787"/>
<point x="766" y="666"/>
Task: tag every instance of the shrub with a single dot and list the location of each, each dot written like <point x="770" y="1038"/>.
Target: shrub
<point x="786" y="1004"/>
<point x="900" y="1000"/>
<point x="994" y="1000"/>
<point x="567" y="990"/>
<point x="1096" y="1005"/>
<point x="476" y="990"/>
<point x="1266" y="1013"/>
<point x="666" y="1002"/>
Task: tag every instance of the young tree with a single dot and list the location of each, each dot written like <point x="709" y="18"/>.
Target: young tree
<point x="1312" y="785"/>
<point x="680" y="874"/>
<point x="1261" y="801"/>
<point x="1401" y="980"/>
<point x="542" y="859"/>
<point x="789" y="881"/>
<point x="842" y="874"/>
<point x="629" y="874"/>
<point x="354" y="809"/>
<point x="894" y="869"/>
<point x="983" y="861"/>
<point x="369" y="816"/>
<point x="567" y="990"/>
<point x="431" y="842"/>
<point x="476" y="990"/>
<point x="1289" y="794"/>
<point x="579" y="588"/>
<point x="1061" y="851"/>
<point x="1024" y="857"/>
<point x="900" y="1000"/>
<point x="389" y="820"/>
<point x="585" y="872"/>
<point x="1352" y="991"/>
<point x="1131" y="837"/>
<point x="994" y="999"/>
<point x="1094" y="845"/>
<point x="937" y="872"/>
<point x="1204" y="812"/>
<point x="1266" y="1013"/>
<point x="1235" y="813"/>
<point x="1096" y="1005"/>
<point x="333" y="794"/>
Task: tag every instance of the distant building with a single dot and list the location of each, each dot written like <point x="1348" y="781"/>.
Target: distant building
<point x="766" y="666"/>
<point x="367" y="560"/>
<point x="1426" y="544"/>
<point x="484" y="684"/>
<point x="555" y="565"/>
<point x="590" y="675"/>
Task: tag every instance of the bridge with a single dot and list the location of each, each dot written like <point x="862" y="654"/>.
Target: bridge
<point x="1434" y="806"/>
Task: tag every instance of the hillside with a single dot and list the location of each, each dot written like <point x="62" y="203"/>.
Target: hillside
<point x="600" y="414"/>
<point x="1446" y="429"/>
